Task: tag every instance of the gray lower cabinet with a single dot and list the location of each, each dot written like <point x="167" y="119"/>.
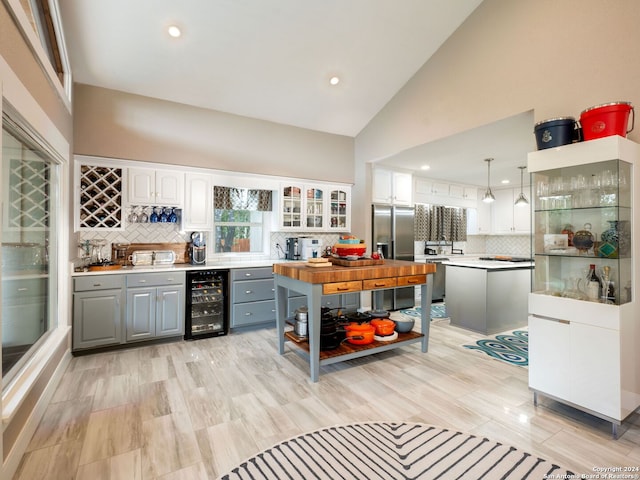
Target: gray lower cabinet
<point x="155" y="305"/>
<point x="252" y="296"/>
<point x="97" y="311"/>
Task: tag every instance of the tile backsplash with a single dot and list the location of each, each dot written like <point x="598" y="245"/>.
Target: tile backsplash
<point x="136" y="233"/>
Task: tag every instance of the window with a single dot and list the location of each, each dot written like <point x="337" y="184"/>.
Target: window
<point x="239" y="216"/>
<point x="29" y="241"/>
<point x="43" y="26"/>
<point x="238" y="230"/>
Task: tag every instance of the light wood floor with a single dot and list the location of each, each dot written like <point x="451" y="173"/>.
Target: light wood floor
<point x="191" y="410"/>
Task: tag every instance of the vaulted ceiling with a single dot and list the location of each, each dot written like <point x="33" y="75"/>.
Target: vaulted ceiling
<point x="266" y="59"/>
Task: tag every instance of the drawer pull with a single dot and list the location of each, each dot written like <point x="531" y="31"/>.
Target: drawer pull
<point x="22" y="289"/>
<point x="248" y="292"/>
<point x="247" y="274"/>
<point x="341" y="289"/>
<point x="379" y="284"/>
<point x="412" y="281"/>
<point x="142" y="281"/>
<point x="97" y="284"/>
<point x="248" y="314"/>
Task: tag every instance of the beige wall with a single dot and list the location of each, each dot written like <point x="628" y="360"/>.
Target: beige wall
<point x="17" y="54"/>
<point x="556" y="57"/>
<point x="114" y="124"/>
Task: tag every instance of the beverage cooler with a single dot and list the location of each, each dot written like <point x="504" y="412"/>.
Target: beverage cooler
<point x="207" y="308"/>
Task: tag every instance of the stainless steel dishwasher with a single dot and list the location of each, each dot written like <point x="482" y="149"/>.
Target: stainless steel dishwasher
<point x="438" y="278"/>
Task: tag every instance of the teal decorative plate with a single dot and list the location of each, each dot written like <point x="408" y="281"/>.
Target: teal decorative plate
<point x="608" y="250"/>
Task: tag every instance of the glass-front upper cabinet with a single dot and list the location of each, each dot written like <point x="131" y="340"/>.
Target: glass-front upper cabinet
<point x="583" y="213"/>
<point x="291" y="209"/>
<point x="315" y="207"/>
<point x="339" y="209"/>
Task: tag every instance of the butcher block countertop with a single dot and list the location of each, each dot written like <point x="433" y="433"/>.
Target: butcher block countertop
<point x="337" y="273"/>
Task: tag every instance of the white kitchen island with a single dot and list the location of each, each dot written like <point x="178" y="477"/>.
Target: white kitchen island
<point x="488" y="297"/>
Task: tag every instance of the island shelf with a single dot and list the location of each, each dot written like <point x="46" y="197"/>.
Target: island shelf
<point x="314" y="283"/>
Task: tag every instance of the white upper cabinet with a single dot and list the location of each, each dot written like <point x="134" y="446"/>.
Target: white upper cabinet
<point x="391" y="187"/>
<point x="507" y="217"/>
<point x="315" y="207"/>
<point x="479" y="218"/>
<point x="437" y="192"/>
<point x="198" y="202"/>
<point x="148" y="186"/>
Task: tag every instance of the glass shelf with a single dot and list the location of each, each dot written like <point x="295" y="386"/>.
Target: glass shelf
<point x="582" y="217"/>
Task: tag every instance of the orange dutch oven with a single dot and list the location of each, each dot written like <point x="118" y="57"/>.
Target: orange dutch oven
<point x="360" y="334"/>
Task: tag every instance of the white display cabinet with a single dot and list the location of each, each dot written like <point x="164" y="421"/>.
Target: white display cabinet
<point x="583" y="346"/>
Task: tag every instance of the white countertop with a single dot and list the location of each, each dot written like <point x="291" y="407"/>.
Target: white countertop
<point x="487" y="264"/>
<point x="213" y="265"/>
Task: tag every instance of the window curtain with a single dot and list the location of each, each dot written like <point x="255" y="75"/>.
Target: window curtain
<point x="434" y="223"/>
<point x="228" y="198"/>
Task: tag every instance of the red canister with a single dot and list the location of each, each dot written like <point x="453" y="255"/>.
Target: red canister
<point x="607" y="119"/>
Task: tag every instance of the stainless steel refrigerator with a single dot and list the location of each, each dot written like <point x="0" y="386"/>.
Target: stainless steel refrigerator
<point x="392" y="233"/>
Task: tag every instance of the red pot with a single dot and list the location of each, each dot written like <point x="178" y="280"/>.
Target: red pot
<point x="360" y="334"/>
<point x="384" y="327"/>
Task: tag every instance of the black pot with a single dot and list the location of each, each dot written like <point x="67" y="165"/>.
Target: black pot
<point x="331" y="341"/>
<point x="359" y="317"/>
<point x="556" y="132"/>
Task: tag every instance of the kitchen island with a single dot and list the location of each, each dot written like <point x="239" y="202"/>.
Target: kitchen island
<point x="488" y="296"/>
<point x="314" y="282"/>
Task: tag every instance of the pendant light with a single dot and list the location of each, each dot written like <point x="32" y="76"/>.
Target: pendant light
<point x="488" y="195"/>
<point x="522" y="200"/>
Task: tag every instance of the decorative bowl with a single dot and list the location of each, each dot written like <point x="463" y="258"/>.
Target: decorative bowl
<point x="404" y="324"/>
<point x="346" y="249"/>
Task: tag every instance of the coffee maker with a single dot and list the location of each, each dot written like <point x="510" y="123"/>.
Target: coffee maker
<point x="292" y="250"/>
<point x="198" y="249"/>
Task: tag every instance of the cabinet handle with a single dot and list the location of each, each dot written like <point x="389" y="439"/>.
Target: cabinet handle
<point x="566" y="322"/>
<point x="248" y="314"/>
<point x="22" y="289"/>
<point x="412" y="281"/>
<point x="97" y="284"/>
<point x="247" y="274"/>
<point x="341" y="289"/>
<point x="377" y="285"/>
<point x="142" y="281"/>
<point x="248" y="292"/>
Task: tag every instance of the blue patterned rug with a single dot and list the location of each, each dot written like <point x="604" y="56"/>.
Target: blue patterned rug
<point x="511" y="348"/>
<point x="438" y="310"/>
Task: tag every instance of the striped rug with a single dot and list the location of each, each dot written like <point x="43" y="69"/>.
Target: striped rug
<point x="394" y="451"/>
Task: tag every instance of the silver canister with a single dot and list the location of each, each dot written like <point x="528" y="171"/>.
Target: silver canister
<point x="300" y="327"/>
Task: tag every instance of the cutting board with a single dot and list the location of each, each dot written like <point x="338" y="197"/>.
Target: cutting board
<point x="361" y="262"/>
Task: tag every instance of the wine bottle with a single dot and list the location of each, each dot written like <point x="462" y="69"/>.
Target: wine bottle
<point x="594" y="284"/>
<point x="608" y="289"/>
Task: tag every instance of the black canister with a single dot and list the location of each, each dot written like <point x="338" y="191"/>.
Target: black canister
<point x="556" y="132"/>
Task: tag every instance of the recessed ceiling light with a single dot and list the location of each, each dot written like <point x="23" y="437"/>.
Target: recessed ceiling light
<point x="174" y="31"/>
<point x="425" y="167"/>
<point x="334" y="80"/>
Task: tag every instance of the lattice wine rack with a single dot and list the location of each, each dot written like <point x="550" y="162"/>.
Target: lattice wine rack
<point x="28" y="195"/>
<point x="101" y="197"/>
